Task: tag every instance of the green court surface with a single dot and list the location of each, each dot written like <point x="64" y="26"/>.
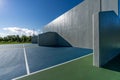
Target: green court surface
<point x="81" y="69"/>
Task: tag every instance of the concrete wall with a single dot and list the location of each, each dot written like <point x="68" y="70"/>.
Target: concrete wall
<point x="34" y="39"/>
<point x="96" y="39"/>
<point x="107" y="32"/>
<point x="108" y="5"/>
<point x="52" y="39"/>
<point x="75" y="26"/>
<point x="47" y="39"/>
<point x="78" y="25"/>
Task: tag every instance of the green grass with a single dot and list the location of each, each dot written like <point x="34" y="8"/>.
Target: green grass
<point x="81" y="69"/>
<point x="13" y="42"/>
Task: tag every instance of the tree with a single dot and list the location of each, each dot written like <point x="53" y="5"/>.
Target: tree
<point x="1" y="39"/>
<point x="15" y="38"/>
<point x="18" y="38"/>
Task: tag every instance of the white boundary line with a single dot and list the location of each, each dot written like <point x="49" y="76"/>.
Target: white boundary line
<point x="26" y="61"/>
<point x="52" y="66"/>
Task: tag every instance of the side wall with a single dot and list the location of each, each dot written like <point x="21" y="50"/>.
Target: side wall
<point x="34" y="39"/>
<point x="52" y="39"/>
<point x="108" y="5"/>
<point x="75" y="26"/>
<point x="108" y="31"/>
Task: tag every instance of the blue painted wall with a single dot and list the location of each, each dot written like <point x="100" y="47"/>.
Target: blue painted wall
<point x="109" y="36"/>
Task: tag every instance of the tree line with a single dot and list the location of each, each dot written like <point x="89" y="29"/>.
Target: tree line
<point x="16" y="38"/>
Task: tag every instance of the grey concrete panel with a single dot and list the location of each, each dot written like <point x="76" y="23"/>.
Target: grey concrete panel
<point x="52" y="39"/>
<point x="34" y="39"/>
<point x="96" y="39"/>
<point x="47" y="39"/>
<point x="75" y="26"/>
<point x="109" y="40"/>
<point x="108" y="5"/>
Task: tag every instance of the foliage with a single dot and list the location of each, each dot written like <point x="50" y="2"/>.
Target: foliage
<point x="16" y="39"/>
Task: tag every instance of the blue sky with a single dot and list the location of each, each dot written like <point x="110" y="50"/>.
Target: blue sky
<point x="25" y="15"/>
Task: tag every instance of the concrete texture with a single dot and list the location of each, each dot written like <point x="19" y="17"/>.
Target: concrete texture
<point x="34" y="39"/>
<point x="102" y="53"/>
<point x="52" y="39"/>
<point x="108" y="5"/>
<point x="47" y="39"/>
<point x="96" y="39"/>
<point x="75" y="26"/>
<point x="78" y="25"/>
<point x="106" y="46"/>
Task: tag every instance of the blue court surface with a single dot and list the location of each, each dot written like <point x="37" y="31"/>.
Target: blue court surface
<point x="22" y="59"/>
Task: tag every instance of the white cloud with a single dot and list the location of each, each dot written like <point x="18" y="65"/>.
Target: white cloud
<point x="3" y="34"/>
<point x="20" y="31"/>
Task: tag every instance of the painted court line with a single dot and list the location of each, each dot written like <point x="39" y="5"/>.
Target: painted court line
<point x="13" y="46"/>
<point x="26" y="61"/>
<point x="52" y="67"/>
